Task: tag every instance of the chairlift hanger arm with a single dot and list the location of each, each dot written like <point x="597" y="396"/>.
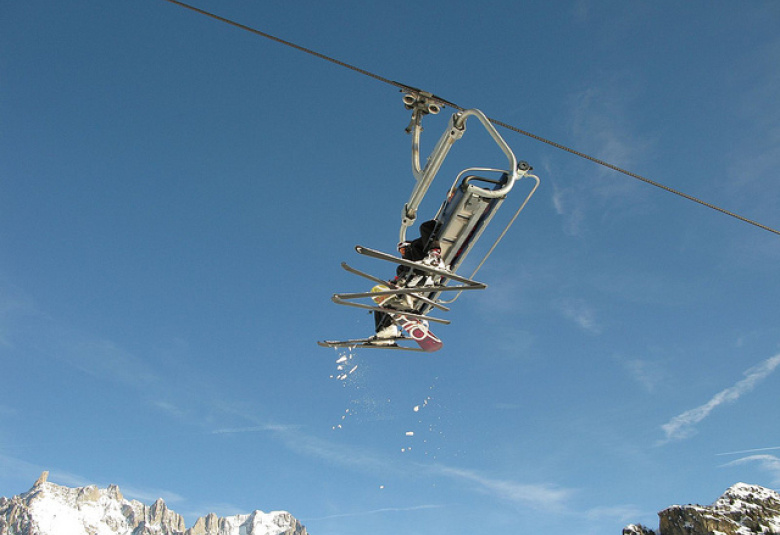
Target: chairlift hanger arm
<point x="422" y="103"/>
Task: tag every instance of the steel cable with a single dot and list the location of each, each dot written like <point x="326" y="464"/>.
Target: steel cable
<point x="404" y="87"/>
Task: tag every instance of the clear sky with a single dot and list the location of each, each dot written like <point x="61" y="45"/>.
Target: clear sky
<point x="176" y="196"/>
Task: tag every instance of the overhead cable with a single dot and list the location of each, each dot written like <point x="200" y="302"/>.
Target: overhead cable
<point x="502" y="124"/>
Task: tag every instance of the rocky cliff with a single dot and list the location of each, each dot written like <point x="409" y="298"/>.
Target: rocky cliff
<point x="49" y="509"/>
<point x="742" y="510"/>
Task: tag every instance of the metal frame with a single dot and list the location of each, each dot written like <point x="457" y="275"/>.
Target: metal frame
<point x="423" y="296"/>
<point x="421" y="104"/>
<point x="462" y="218"/>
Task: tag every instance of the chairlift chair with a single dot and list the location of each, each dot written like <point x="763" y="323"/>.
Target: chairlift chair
<point x="471" y="203"/>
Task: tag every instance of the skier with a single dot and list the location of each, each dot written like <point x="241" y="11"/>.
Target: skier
<point x="421" y="250"/>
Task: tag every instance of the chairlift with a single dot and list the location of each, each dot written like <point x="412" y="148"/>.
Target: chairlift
<point x="471" y="203"/>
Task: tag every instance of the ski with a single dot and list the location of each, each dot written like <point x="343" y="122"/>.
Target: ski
<point x="421" y="267"/>
<point x="414" y="292"/>
<point x="370" y="343"/>
<point x="362" y="274"/>
<point x="336" y="299"/>
<point x="428" y="289"/>
<point x="413" y="324"/>
<point x="418" y="331"/>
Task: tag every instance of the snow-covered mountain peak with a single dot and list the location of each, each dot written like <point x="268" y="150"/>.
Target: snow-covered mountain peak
<point x="258" y="522"/>
<point x="743" y="496"/>
<point x="49" y="509"/>
<point x="742" y="510"/>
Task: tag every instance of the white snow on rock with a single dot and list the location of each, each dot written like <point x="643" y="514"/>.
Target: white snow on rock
<point x="49" y="509"/>
<point x="742" y="510"/>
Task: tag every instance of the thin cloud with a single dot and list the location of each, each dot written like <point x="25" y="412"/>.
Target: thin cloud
<point x="598" y="123"/>
<point x="582" y="314"/>
<point x="646" y="373"/>
<point x="682" y="425"/>
<point x="104" y="359"/>
<point x="150" y="495"/>
<point x="333" y="453"/>
<point x="568" y="204"/>
<point x="542" y="497"/>
<point x="145" y="495"/>
<point x="621" y="513"/>
<point x="537" y="496"/>
<point x="768" y="463"/>
<point x="754" y="450"/>
<point x="255" y="429"/>
<point x="600" y="126"/>
<point x="12" y="467"/>
<point x="171" y="409"/>
<point x="376" y="512"/>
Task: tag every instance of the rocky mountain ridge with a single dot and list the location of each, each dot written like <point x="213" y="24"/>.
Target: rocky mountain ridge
<point x="742" y="510"/>
<point x="49" y="509"/>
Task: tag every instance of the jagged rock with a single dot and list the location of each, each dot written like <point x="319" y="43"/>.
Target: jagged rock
<point x="742" y="510"/>
<point x="49" y="509"/>
<point x="257" y="523"/>
<point x="41" y="480"/>
<point x="89" y="494"/>
<point x="114" y="492"/>
<point x="637" y="529"/>
<point x="14" y="519"/>
<point x="205" y="524"/>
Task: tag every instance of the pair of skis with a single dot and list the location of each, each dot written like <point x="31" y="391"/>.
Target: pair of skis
<point x="415" y="331"/>
<point x="414" y="323"/>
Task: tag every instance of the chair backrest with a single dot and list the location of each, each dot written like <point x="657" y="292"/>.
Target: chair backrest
<point x="463" y="217"/>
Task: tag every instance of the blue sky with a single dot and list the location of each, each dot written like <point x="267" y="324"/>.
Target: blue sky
<point x="176" y="196"/>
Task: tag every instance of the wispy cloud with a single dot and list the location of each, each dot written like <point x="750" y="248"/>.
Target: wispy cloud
<point x="255" y="429"/>
<point x="542" y="497"/>
<point x="536" y="496"/>
<point x="600" y="127"/>
<point x="336" y="453"/>
<point x="150" y="495"/>
<point x="682" y="425"/>
<point x="648" y="374"/>
<point x="11" y="467"/>
<point x="142" y="494"/>
<point x="599" y="124"/>
<point x="376" y="512"/>
<point x="754" y="450"/>
<point x="581" y="313"/>
<point x="19" y="468"/>
<point x="621" y="513"/>
<point x="569" y="205"/>
<point x="104" y="359"/>
<point x="755" y="157"/>
<point x="768" y="463"/>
